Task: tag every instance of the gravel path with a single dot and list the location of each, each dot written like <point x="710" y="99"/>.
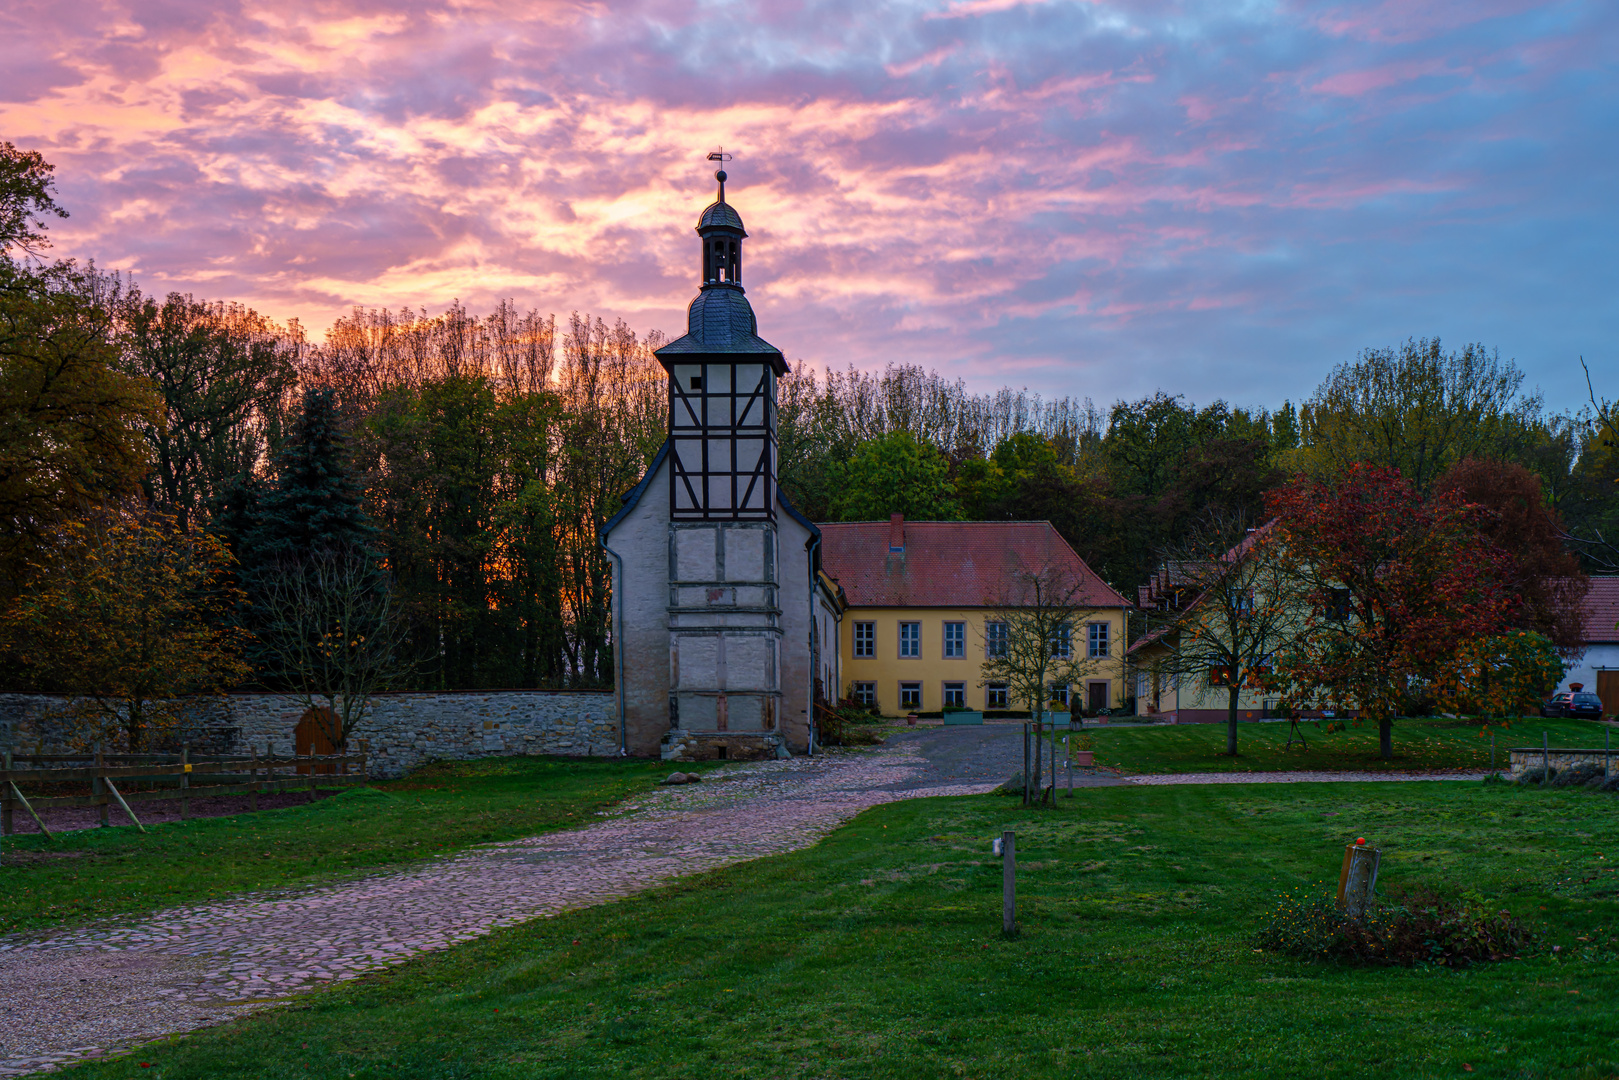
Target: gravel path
<point x="89" y="992"/>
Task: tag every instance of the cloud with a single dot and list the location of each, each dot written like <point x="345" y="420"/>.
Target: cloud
<point x="1102" y="198"/>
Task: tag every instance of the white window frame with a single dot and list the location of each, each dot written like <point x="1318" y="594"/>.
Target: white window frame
<point x="955" y="693"/>
<point x="995" y="639"/>
<point x="912" y="641"/>
<point x="1099" y="639"/>
<point x="955" y="640"/>
<point x="906" y="688"/>
<point x="869" y="641"/>
<point x="997" y="690"/>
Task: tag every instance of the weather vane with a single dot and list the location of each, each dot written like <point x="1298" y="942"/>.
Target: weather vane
<point x="722" y="157"/>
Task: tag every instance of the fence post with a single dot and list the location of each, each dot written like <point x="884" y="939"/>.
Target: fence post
<point x="5" y="800"/>
<point x="365" y="765"/>
<point x="1008" y="882"/>
<point x="98" y="785"/>
<point x="185" y="780"/>
<point x="312" y="795"/>
<point x="1545" y="757"/>
<point x="253" y="777"/>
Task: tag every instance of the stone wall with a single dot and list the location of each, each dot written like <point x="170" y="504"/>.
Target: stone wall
<point x="1528" y="758"/>
<point x="403" y="730"/>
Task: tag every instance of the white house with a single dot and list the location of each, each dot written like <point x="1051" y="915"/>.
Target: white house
<point x="722" y="621"/>
<point x="1597" y="671"/>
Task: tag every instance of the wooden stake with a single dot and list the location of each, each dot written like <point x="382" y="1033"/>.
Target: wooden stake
<point x="1545" y="758"/>
<point x="185" y="781"/>
<point x="17" y="791"/>
<point x="1009" y="883"/>
<point x="122" y="803"/>
<point x="5" y="803"/>
<point x="253" y="776"/>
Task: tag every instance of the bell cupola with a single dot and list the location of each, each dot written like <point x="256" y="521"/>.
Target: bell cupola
<point x="722" y="388"/>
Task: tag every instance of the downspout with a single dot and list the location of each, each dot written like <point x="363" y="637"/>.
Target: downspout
<point x="815" y="636"/>
<point x="618" y="646"/>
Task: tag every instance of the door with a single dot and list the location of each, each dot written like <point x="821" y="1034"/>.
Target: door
<point x="1096" y="696"/>
<point x="1607" y="689"/>
<point x="313" y="736"/>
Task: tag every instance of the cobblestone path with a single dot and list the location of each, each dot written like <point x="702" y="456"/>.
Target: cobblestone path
<point x="89" y="992"/>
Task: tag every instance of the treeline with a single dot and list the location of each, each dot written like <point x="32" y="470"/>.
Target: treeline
<point x="477" y="456"/>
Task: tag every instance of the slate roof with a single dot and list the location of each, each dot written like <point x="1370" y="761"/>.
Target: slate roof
<point x="947" y="563"/>
<point x="720" y="320"/>
<point x="1602" y="609"/>
<point x="721" y="214"/>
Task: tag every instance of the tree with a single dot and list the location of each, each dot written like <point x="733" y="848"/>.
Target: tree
<point x="315" y="503"/>
<point x="26" y="199"/>
<point x="895" y="474"/>
<point x="130" y="621"/>
<point x="1503" y="675"/>
<point x="1544" y="580"/>
<point x="69" y="420"/>
<point x="223" y="372"/>
<point x="1392" y="584"/>
<point x="336" y="633"/>
<point x="1415" y="409"/>
<point x="1034" y="650"/>
<point x="1243" y="608"/>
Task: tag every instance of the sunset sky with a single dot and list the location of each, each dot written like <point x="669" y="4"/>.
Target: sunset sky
<point x="1221" y="199"/>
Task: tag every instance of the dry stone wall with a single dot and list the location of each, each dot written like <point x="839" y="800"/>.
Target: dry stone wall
<point x="403" y="730"/>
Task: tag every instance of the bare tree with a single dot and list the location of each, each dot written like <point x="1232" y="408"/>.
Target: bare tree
<point x="1229" y="606"/>
<point x="333" y="626"/>
<point x="1029" y="639"/>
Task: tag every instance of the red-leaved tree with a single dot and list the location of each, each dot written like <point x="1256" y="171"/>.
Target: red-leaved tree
<point x="1392" y="584"/>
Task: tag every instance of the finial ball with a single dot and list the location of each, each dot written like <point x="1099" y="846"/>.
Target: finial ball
<point x="720" y="176"/>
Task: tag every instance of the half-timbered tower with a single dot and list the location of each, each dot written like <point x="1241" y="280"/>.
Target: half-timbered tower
<point x="720" y="617"/>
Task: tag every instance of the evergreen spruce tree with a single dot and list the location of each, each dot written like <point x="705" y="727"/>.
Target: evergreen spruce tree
<point x="314" y="505"/>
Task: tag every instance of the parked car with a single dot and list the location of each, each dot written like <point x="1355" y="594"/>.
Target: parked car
<point x="1586" y="705"/>
<point x="1555" y="704"/>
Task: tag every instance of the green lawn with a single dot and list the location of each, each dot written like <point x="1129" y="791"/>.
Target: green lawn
<point x="1418" y="745"/>
<point x="878" y="954"/>
<point x="441" y="808"/>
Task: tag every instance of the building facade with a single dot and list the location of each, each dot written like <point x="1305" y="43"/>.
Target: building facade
<point x="721" y="619"/>
<point x="922" y="599"/>
<point x="1597" y="668"/>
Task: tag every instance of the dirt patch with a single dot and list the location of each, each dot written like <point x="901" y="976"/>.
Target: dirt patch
<point x="69" y="819"/>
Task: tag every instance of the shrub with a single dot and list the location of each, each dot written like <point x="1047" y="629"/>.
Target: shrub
<point x="1577" y="775"/>
<point x="847" y="725"/>
<point x="1532" y="775"/>
<point x="1420" y="926"/>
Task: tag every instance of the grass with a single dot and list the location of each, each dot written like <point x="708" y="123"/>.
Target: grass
<point x="93" y="873"/>
<point x="877" y="953"/>
<point x="1420" y="745"/>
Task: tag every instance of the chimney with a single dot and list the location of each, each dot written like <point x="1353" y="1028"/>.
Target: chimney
<point x="896" y="532"/>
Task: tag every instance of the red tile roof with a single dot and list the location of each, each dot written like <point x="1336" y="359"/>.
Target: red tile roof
<point x="947" y="563"/>
<point x="1602" y="609"/>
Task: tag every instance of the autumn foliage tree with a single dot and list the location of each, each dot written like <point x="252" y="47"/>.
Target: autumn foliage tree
<point x="1392" y="585"/>
<point x="131" y="624"/>
<point x="1545" y="584"/>
<point x="1503" y="675"/>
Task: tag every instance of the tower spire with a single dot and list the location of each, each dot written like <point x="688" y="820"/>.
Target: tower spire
<point x="719" y="174"/>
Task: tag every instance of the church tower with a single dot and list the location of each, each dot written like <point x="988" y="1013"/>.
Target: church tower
<point x="713" y="565"/>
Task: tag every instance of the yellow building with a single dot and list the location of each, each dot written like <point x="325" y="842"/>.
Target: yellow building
<point x="922" y="595"/>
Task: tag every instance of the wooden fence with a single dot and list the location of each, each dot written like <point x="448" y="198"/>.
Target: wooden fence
<point x="152" y="777"/>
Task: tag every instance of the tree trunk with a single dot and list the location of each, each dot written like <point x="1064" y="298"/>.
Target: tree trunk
<point x="1385" y="738"/>
<point x="1231" y="718"/>
<point x="1039" y="739"/>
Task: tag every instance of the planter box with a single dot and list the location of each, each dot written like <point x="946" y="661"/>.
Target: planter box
<point x="963" y="718"/>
